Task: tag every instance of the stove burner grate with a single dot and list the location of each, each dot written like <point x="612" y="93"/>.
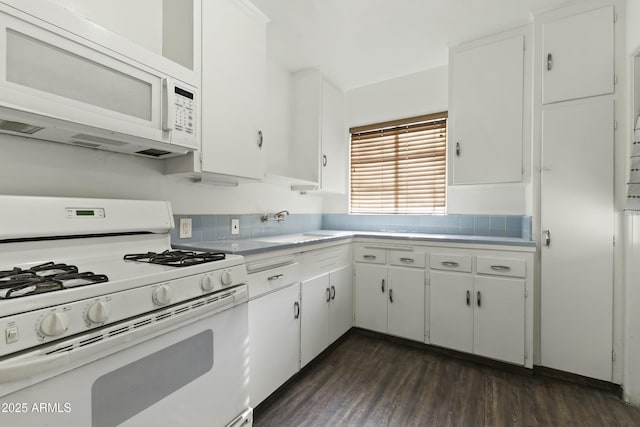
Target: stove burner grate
<point x="42" y="278"/>
<point x="176" y="258"/>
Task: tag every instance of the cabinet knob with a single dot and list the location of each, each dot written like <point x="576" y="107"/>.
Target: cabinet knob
<point x="382" y="286"/>
<point x="328" y="295"/>
<point x="468" y="298"/>
<point x="333" y="292"/>
<point x="260" y="139"/>
<point x="391" y="296"/>
<point x="324" y="160"/>
<point x="479" y="300"/>
<point x="547" y="238"/>
<point x="549" y="61"/>
<point x="458" y="149"/>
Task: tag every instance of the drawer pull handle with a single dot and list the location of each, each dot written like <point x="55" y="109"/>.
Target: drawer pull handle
<point x="333" y="292"/>
<point x="391" y="296"/>
<point x="407" y="260"/>
<point x="501" y="268"/>
<point x="275" y="277"/>
<point x="383" y="286"/>
<point x="328" y="295"/>
<point x="479" y="300"/>
<point x="450" y="264"/>
<point x="468" y="298"/>
<point x="369" y="256"/>
<point x="296" y="310"/>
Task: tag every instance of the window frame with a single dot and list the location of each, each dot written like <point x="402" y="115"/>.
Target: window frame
<point x="409" y="121"/>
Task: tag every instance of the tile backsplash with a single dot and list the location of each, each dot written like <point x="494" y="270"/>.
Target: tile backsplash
<point x="218" y="227"/>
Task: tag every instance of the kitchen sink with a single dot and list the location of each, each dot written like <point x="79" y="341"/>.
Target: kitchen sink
<point x="292" y="238"/>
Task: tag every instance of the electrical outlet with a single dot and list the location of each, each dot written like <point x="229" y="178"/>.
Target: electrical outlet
<point x="185" y="228"/>
<point x="235" y="226"/>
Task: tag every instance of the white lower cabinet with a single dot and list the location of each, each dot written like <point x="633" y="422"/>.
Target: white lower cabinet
<point x="390" y="299"/>
<point x="451" y="312"/>
<point x="483" y="314"/>
<point x="326" y="311"/>
<point x="274" y="334"/>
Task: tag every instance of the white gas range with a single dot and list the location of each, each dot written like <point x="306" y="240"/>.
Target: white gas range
<point x="102" y="324"/>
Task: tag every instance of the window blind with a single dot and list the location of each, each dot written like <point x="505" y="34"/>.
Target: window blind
<point x="399" y="167"/>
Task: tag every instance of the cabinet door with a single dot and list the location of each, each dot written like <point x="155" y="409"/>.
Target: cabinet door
<point x="578" y="56"/>
<point x="406" y="303"/>
<point x="274" y="341"/>
<point x="314" y="317"/>
<point x="233" y="89"/>
<point x="341" y="306"/>
<point x="334" y="141"/>
<point x="451" y="311"/>
<point x="577" y="209"/>
<point x="371" y="289"/>
<point x="487" y="119"/>
<point x="498" y="322"/>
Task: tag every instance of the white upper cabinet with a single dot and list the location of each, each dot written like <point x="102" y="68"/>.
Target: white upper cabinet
<point x="578" y="56"/>
<point x="233" y="96"/>
<point x="320" y="138"/>
<point x="486" y="111"/>
<point x="233" y="89"/>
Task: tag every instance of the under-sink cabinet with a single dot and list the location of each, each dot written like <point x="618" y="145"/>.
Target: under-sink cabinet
<point x="479" y="304"/>
<point x="326" y="299"/>
<point x="390" y="290"/>
<point x="274" y="325"/>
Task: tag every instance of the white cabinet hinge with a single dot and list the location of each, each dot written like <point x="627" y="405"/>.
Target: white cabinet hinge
<point x="615" y="79"/>
<point x="200" y="157"/>
<point x="613" y="355"/>
<point x="427" y="335"/>
<point x="614" y="241"/>
<point x="526" y="294"/>
<point x="615" y="124"/>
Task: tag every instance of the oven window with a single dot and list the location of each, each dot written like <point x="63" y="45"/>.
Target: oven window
<point x="129" y="390"/>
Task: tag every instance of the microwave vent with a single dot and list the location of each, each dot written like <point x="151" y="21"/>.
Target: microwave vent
<point x="153" y="152"/>
<point x="84" y="138"/>
<point x="19" y="127"/>
<point x="85" y="144"/>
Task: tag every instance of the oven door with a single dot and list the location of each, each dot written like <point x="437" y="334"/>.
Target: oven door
<point x="194" y="375"/>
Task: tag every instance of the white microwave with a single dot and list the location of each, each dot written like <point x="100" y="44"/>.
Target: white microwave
<point x="59" y="86"/>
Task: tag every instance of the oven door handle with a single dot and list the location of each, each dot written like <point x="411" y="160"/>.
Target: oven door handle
<point x="29" y="367"/>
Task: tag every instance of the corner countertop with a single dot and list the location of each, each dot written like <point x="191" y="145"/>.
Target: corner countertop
<point x="268" y="243"/>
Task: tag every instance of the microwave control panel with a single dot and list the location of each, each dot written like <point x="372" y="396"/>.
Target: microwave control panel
<point x="184" y="111"/>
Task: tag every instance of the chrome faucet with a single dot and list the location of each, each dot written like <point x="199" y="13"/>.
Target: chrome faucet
<point x="279" y="216"/>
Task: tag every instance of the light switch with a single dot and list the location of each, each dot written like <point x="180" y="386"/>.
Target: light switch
<point x="185" y="228"/>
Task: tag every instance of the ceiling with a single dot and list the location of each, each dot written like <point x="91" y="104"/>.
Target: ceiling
<point x="359" y="42"/>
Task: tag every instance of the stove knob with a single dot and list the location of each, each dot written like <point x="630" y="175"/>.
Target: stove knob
<point x="162" y="295"/>
<point x="98" y="312"/>
<point x="226" y="278"/>
<point x="55" y="323"/>
<point x="207" y="283"/>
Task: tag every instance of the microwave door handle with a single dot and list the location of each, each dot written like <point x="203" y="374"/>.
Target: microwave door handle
<point x="26" y="368"/>
<point x="168" y="110"/>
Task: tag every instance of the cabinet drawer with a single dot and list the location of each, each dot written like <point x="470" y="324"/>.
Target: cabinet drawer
<point x="407" y="258"/>
<point x="501" y="266"/>
<point x="451" y="262"/>
<point x="374" y="256"/>
<point x="269" y="280"/>
<point x="317" y="262"/>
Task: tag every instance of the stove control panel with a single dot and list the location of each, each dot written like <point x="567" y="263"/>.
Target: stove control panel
<point x="32" y="328"/>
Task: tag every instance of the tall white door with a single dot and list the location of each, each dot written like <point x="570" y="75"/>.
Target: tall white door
<point x="314" y="317"/>
<point x="371" y="289"/>
<point x="406" y="303"/>
<point x="577" y="237"/>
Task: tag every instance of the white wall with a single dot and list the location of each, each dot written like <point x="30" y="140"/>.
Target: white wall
<point x="424" y="92"/>
<point x="277" y="131"/>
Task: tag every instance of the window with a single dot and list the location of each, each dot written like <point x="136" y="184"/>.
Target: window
<point x="400" y="167"/>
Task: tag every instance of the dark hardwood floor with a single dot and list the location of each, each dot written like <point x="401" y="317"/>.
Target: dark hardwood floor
<point x="369" y="381"/>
